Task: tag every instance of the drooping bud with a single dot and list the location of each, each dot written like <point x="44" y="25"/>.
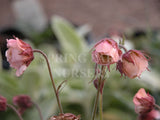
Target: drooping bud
<point x="153" y="115"/>
<point x="23" y="102"/>
<point x="96" y="85"/>
<point x="106" y="52"/>
<point x="19" y="55"/>
<point x="143" y="102"/>
<point x="133" y="63"/>
<point x="3" y="103"/>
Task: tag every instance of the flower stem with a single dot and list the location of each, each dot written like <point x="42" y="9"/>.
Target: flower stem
<point x="101" y="106"/>
<point x="157" y="106"/>
<point x="15" y="110"/>
<point x="95" y="105"/>
<point x="53" y="84"/>
<point x="98" y="92"/>
<point x="39" y="110"/>
<point x="121" y="46"/>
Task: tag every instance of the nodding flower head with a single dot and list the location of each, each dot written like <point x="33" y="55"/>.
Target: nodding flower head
<point x="133" y="63"/>
<point x="22" y="102"/>
<point x="66" y="116"/>
<point x="3" y="103"/>
<point x="106" y="52"/>
<point x="19" y="55"/>
<point x="143" y="102"/>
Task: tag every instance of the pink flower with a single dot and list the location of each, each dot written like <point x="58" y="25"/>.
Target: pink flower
<point x="143" y="102"/>
<point x="133" y="63"/>
<point x="22" y="102"/>
<point x="153" y="115"/>
<point x="66" y="116"/>
<point x="3" y="103"/>
<point x="106" y="52"/>
<point x="19" y="55"/>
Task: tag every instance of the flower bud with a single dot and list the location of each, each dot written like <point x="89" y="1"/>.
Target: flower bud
<point x="143" y="102"/>
<point x="3" y="103"/>
<point x="133" y="63"/>
<point x="153" y="115"/>
<point x="96" y="84"/>
<point x="19" y="55"/>
<point x="66" y="116"/>
<point x="106" y="52"/>
<point x="22" y="102"/>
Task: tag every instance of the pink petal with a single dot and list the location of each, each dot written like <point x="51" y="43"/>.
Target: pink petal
<point x="20" y="71"/>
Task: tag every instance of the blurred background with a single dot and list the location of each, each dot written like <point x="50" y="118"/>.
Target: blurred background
<point x="66" y="31"/>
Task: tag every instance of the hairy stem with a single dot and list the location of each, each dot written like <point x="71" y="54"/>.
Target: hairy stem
<point x="53" y="84"/>
<point x="15" y="110"/>
<point x="98" y="92"/>
<point x="101" y="106"/>
<point x="121" y="46"/>
<point x="39" y="110"/>
<point x="95" y="105"/>
<point x="157" y="106"/>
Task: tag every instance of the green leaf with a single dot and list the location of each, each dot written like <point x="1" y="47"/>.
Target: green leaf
<point x="69" y="40"/>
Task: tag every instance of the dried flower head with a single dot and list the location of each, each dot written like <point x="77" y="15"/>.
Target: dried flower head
<point x="22" y="102"/>
<point x="66" y="116"/>
<point x="3" y="103"/>
<point x="106" y="52"/>
<point x="143" y="102"/>
<point x="133" y="63"/>
<point x="19" y="55"/>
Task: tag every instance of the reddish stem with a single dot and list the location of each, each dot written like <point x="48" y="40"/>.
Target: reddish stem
<point x="98" y="92"/>
<point x="53" y="84"/>
<point x="39" y="110"/>
<point x="157" y="106"/>
<point x="15" y="110"/>
<point x="121" y="46"/>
